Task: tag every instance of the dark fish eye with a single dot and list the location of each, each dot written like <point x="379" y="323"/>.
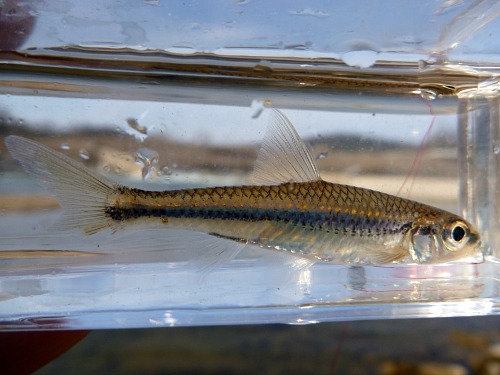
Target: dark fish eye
<point x="458" y="233"/>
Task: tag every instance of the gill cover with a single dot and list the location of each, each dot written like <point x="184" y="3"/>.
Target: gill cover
<point x="446" y="240"/>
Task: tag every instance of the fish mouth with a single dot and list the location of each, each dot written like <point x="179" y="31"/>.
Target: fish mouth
<point x="478" y="258"/>
<point x="438" y="253"/>
<point x="474" y="255"/>
<point x="478" y="253"/>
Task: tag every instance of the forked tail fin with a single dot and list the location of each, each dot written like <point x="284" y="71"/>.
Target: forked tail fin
<point x="83" y="194"/>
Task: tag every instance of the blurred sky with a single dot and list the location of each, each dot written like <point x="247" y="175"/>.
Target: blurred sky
<point x="218" y="124"/>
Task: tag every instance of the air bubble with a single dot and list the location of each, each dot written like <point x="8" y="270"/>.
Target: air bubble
<point x="167" y="171"/>
<point x="65" y="146"/>
<point x="84" y="154"/>
<point x="322" y="155"/>
<point x="496" y="147"/>
<point x="428" y="94"/>
<point x="106" y="168"/>
<point x="148" y="159"/>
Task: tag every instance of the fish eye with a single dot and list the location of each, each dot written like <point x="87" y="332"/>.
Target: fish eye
<point x="456" y="234"/>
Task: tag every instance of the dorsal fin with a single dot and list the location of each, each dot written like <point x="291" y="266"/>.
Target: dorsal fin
<point x="283" y="156"/>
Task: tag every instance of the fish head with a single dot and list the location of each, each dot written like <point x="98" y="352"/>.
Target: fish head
<point x="444" y="239"/>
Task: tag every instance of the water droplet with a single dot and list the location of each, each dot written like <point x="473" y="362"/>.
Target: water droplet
<point x="322" y="155"/>
<point x="106" y="168"/>
<point x="166" y="171"/>
<point x="428" y="94"/>
<point x="65" y="146"/>
<point x="422" y="64"/>
<point x="299" y="46"/>
<point x="84" y="154"/>
<point x="496" y="147"/>
<point x="134" y="124"/>
<point x="309" y="12"/>
<point x="20" y="122"/>
<point x="447" y="5"/>
<point x="360" y="59"/>
<point x="148" y="159"/>
<point x="264" y="66"/>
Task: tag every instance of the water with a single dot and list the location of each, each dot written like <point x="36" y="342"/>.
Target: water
<point x="191" y="133"/>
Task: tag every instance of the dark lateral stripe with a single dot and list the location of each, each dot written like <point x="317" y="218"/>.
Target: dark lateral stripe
<point x="312" y="219"/>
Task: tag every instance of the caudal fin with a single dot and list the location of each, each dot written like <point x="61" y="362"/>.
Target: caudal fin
<point x="82" y="193"/>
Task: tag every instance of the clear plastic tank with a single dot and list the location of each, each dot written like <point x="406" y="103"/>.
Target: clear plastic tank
<point x="164" y="96"/>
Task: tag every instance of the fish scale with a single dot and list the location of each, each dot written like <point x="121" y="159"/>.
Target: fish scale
<point x="316" y="203"/>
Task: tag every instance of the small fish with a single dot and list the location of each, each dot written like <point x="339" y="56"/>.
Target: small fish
<point x="286" y="207"/>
